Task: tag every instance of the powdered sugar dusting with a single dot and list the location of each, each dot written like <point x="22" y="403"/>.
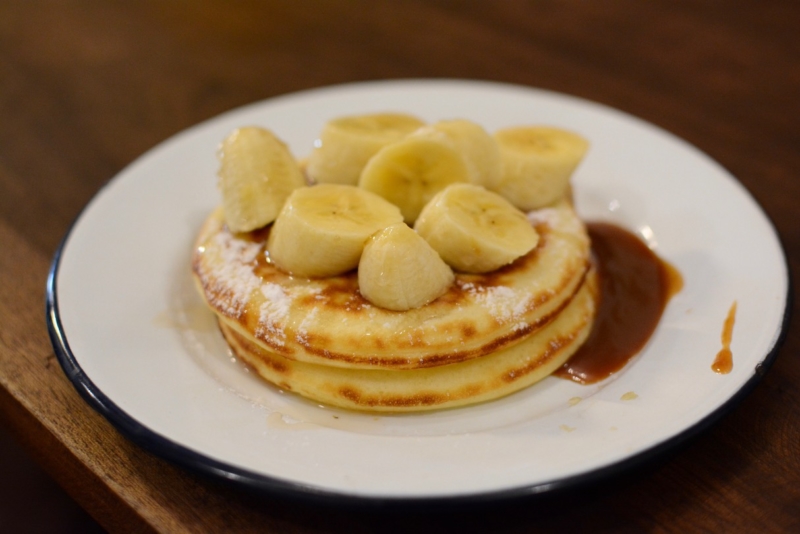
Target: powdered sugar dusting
<point x="273" y="312"/>
<point x="276" y="305"/>
<point x="302" y="328"/>
<point x="503" y="303"/>
<point x="232" y="273"/>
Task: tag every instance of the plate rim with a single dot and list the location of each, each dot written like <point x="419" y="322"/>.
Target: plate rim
<point x="185" y="457"/>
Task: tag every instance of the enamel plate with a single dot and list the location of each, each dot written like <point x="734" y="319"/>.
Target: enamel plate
<point x="135" y="339"/>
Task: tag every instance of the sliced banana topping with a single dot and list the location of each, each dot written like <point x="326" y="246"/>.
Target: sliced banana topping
<point x="257" y="173"/>
<point x="462" y="189"/>
<point x="410" y="172"/>
<point x="347" y="143"/>
<point x="475" y="230"/>
<point x="400" y="271"/>
<point x="321" y="230"/>
<point x="538" y="162"/>
<point x="476" y="145"/>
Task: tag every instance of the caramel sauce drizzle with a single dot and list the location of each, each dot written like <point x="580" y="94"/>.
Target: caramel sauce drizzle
<point x="635" y="286"/>
<point x="723" y="363"/>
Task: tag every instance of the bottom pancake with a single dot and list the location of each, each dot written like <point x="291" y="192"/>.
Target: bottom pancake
<point x="447" y="386"/>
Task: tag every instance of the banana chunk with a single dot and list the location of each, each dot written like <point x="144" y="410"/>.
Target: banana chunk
<point x="475" y="230"/>
<point x="347" y="143"/>
<point x="321" y="229"/>
<point x="476" y="145"/>
<point x="400" y="271"/>
<point x="538" y="162"/>
<point x="257" y="174"/>
<point x="410" y="172"/>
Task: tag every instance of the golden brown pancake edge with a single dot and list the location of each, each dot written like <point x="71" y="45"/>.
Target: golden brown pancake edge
<point x="327" y="322"/>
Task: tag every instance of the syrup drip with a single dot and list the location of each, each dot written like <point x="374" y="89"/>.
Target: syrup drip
<point x="723" y="363"/>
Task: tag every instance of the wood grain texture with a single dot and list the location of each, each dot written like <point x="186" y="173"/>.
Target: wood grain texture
<point x="87" y="86"/>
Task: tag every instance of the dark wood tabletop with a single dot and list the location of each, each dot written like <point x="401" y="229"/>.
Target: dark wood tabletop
<point x="87" y="86"/>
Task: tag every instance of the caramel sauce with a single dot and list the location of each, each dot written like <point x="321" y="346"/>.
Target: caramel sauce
<point x="635" y="286"/>
<point x="723" y="363"/>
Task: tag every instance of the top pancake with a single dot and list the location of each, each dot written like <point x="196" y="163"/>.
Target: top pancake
<point x="327" y="321"/>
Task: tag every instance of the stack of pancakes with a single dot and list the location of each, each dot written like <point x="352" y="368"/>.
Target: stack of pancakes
<point x="489" y="335"/>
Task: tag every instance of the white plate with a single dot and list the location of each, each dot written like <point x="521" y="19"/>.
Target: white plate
<point x="135" y="339"/>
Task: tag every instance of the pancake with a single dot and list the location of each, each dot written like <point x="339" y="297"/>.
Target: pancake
<point x="326" y="322"/>
<point x="390" y="390"/>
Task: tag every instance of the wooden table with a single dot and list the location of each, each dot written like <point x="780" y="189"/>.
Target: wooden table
<point x="86" y="86"/>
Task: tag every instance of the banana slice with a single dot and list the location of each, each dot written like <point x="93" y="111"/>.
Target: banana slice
<point x="400" y="271"/>
<point x="479" y="149"/>
<point x="538" y="162"/>
<point x="410" y="172"/>
<point x="346" y="144"/>
<point x="256" y="175"/>
<point x="321" y="229"/>
<point x="475" y="230"/>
